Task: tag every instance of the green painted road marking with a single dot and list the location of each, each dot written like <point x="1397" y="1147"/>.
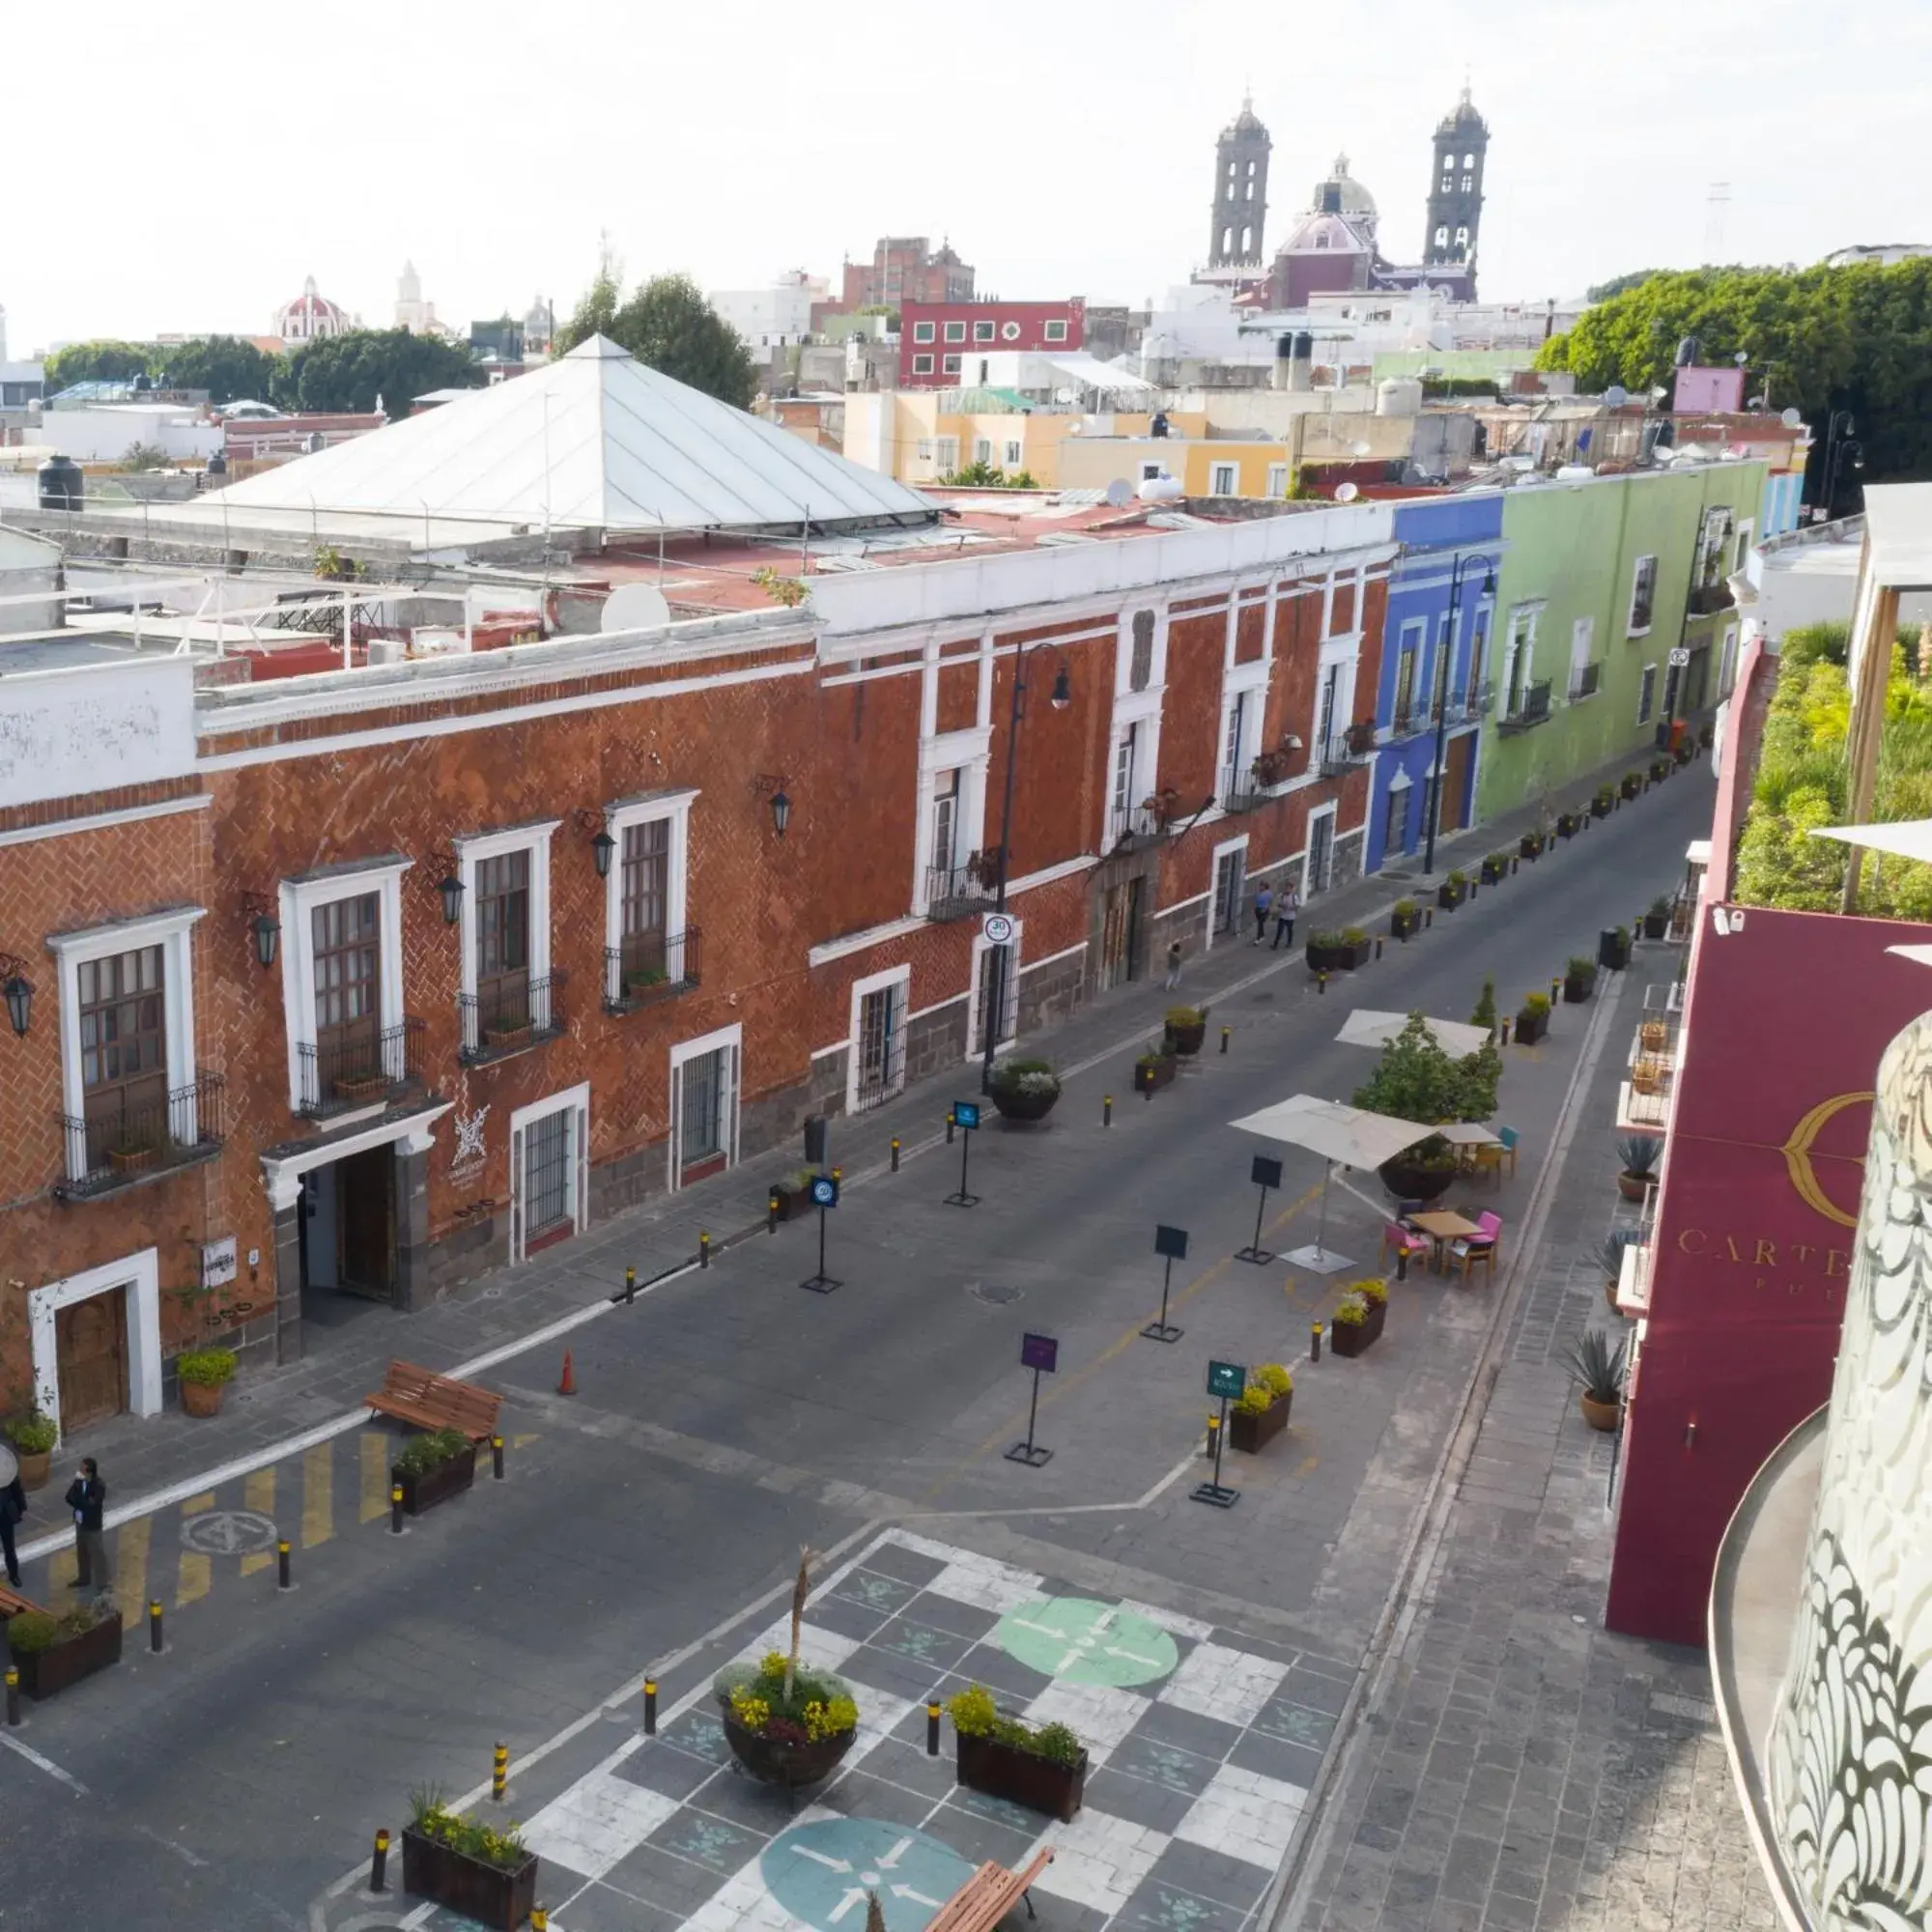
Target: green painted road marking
<point x="1081" y="1641"/>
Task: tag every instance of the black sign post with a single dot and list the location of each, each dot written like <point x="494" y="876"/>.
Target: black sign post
<point x="1041" y="1354"/>
<point x="824" y="1192"/>
<point x="1265" y="1173"/>
<point x="1226" y="1380"/>
<point x="1171" y="1244"/>
<point x="965" y="1116"/>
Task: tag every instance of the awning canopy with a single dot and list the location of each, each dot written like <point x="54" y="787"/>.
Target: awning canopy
<point x="1366" y="1027"/>
<point x="1350" y="1135"/>
<point x="1903" y="839"/>
<point x="1468" y="1133"/>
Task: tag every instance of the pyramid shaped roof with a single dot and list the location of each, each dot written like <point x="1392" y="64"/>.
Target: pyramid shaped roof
<point x="592" y="441"/>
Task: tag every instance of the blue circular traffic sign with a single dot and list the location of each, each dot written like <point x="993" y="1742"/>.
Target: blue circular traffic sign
<point x="824" y="1191"/>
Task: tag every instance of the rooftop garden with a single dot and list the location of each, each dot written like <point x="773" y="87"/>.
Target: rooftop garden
<point x="1803" y="779"/>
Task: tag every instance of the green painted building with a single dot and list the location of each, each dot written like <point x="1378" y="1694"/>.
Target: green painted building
<point x="1601" y="580"/>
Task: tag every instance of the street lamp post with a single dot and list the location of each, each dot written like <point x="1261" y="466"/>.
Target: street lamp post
<point x="998" y="955"/>
<point x="1838" y="424"/>
<point x="1447" y="655"/>
<point x="1850" y="453"/>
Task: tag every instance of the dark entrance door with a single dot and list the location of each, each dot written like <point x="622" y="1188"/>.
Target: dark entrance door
<point x="90" y="1349"/>
<point x="1120" y="934"/>
<point x="1456" y="782"/>
<point x="365" y="1197"/>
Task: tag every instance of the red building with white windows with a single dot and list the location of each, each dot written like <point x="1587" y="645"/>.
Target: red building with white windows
<point x="939" y="341"/>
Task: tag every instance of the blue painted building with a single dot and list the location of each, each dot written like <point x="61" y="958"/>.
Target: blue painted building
<point x="1440" y="536"/>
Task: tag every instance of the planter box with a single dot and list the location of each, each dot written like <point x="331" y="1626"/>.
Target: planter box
<point x="794" y="1203"/>
<point x="1530" y="1028"/>
<point x="1632" y="785"/>
<point x="1402" y="925"/>
<point x="1685" y="753"/>
<point x="1660" y="770"/>
<point x="1022" y="1778"/>
<point x="1448" y="897"/>
<point x="1493" y="874"/>
<point x="201" y="1398"/>
<point x="1023" y="1107"/>
<point x="363" y="1087"/>
<point x="45" y="1672"/>
<point x="1349" y="1337"/>
<point x="1187" y="1040"/>
<point x="1409" y="1180"/>
<point x="438" y="1485"/>
<point x="1613" y="954"/>
<point x="772" y="1762"/>
<point x="1358" y="955"/>
<point x="1577" y="991"/>
<point x="494" y="1896"/>
<point x="1603" y="1415"/>
<point x="1634" y="1186"/>
<point x="1531" y="846"/>
<point x="1252" y="1433"/>
<point x="1656" y="924"/>
<point x="1568" y="825"/>
<point x="131" y="1159"/>
<point x="1155" y="1074"/>
<point x="1602" y="808"/>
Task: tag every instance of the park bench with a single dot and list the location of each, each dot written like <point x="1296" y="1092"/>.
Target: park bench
<point x="429" y="1401"/>
<point x="988" y="1895"/>
<point x="12" y="1604"/>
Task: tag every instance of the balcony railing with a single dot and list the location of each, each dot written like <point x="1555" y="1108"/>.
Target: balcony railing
<point x="1241" y="788"/>
<point x="1340" y="757"/>
<point x="961" y="891"/>
<point x="359" y="1069"/>
<point x="649" y="966"/>
<point x="1529" y="707"/>
<point x="1473" y="703"/>
<point x="512" y="1014"/>
<point x="1706" y="599"/>
<point x="1585" y="681"/>
<point x="110" y="1150"/>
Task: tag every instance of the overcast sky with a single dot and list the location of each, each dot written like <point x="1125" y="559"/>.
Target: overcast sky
<point x="210" y="157"/>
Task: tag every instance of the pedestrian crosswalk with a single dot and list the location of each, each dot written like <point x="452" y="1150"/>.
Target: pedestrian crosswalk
<point x="179" y="1555"/>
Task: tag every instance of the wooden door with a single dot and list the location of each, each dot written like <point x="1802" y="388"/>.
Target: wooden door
<point x="365" y="1218"/>
<point x="1117" y="934"/>
<point x="90" y="1349"/>
<point x="1456" y="782"/>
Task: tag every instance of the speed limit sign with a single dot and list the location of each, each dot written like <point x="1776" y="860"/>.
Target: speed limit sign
<point x="1680" y="656"/>
<point x="997" y="929"/>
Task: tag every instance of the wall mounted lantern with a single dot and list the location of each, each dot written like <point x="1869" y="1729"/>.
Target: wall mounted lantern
<point x="265" y="928"/>
<point x="772" y="785"/>
<point x="17" y="991"/>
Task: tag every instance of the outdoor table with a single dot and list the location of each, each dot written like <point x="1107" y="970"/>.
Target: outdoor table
<point x="1441" y="1229"/>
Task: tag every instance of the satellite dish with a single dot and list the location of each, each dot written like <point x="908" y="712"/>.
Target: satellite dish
<point x="1616" y="395"/>
<point x="634" y="606"/>
<point x="1791" y="419"/>
<point x="1358" y="449"/>
<point x="1346" y="494"/>
<point x="1120" y="492"/>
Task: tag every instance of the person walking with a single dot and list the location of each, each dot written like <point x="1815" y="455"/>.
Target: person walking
<point x="87" y="1497"/>
<point x="1287" y="903"/>
<point x="1264" y="899"/>
<point x="12" y="1507"/>
<point x="1173" y="965"/>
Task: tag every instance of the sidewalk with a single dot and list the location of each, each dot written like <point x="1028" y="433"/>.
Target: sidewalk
<point x="496" y="1314"/>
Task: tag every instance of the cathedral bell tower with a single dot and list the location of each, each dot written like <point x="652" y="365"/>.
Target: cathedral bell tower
<point x="1240" y="190"/>
<point x="1455" y="188"/>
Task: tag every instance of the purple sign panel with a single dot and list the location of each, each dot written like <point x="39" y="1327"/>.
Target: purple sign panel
<point x="1038" y="1352"/>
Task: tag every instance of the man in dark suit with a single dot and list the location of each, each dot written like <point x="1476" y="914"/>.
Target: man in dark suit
<point x="87" y="1497"/>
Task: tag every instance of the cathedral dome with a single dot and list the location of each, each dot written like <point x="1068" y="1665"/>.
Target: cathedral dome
<point x="1352" y="198"/>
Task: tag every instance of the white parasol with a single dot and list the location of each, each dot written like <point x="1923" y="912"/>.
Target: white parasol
<point x="1368" y="1027"/>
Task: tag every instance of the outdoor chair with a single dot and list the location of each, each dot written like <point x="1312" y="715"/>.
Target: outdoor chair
<point x="1509" y="1138"/>
<point x="1402" y="1240"/>
<point x="1486" y="1163"/>
<point x="1478" y="1250"/>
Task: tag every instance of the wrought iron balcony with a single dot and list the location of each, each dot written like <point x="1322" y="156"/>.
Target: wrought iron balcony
<point x="359" y="1069"/>
<point x="1707" y="599"/>
<point x="133" y="1142"/>
<point x="514" y="1013"/>
<point x="1340" y="757"/>
<point x="962" y="892"/>
<point x="1585" y="681"/>
<point x="1243" y="789"/>
<point x="650" y="966"/>
<point x="1529" y="706"/>
<point x="1474" y="703"/>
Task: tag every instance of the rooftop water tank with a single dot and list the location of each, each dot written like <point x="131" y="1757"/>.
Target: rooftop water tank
<point x="61" y="483"/>
<point x="1399" y="396"/>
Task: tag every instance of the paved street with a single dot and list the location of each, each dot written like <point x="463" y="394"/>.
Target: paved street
<point x="653" y="1520"/>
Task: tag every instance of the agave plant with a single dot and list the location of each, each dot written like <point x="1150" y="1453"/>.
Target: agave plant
<point x="1596" y="1367"/>
<point x="1638" y="1155"/>
<point x="1614" y="1244"/>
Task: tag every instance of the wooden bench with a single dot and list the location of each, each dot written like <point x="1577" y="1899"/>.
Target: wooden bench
<point x="429" y="1401"/>
<point x="988" y="1895"/>
<point x="12" y="1604"/>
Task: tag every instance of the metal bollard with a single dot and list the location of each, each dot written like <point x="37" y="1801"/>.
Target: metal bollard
<point x="155" y="1624"/>
<point x="1503" y="1028"/>
<point x="1515" y="862"/>
<point x="949" y="1125"/>
<point x="932" y="1727"/>
<point x="1106" y="1110"/>
<point x="630" y="1287"/>
<point x="500" y="1774"/>
<point x="1427" y="917"/>
<point x="12" y="1695"/>
<point x="1402" y="1263"/>
<point x="1225" y="1033"/>
<point x="896" y="1154"/>
<point x="703" y="1249"/>
<point x="839" y="1174"/>
<point x="395" y="1509"/>
<point x="1321" y="980"/>
<point x="1315" y="1342"/>
<point x="1555" y="992"/>
<point x="772" y="1214"/>
<point x="1474" y="886"/>
<point x="379" y="1862"/>
<point x="496" y="1456"/>
<point x="650" y="1707"/>
<point x="282" y="1582"/>
<point x="1378" y="945"/>
<point x="1213" y="1434"/>
<point x="539" y="1918"/>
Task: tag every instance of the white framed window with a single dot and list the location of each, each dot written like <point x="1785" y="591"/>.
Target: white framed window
<point x="922" y="331"/>
<point x="875" y="1060"/>
<point x="1727" y="663"/>
<point x="1009" y="331"/>
<point x="704" y="1076"/>
<point x="127" y="1037"/>
<point x="550" y="1170"/>
<point x="1646" y="696"/>
<point x="1442" y="238"/>
<point x="1582" y="649"/>
<point x="504" y="931"/>
<point x="1012" y="456"/>
<point x="648" y="940"/>
<point x="948" y="365"/>
<point x="341" y="980"/>
<point x="983" y="331"/>
<point x="1643" y="597"/>
<point x="1318" y="868"/>
<point x="1149" y="470"/>
<point x="921" y="365"/>
<point x="1520" y="655"/>
<point x="952" y="805"/>
<point x="1056" y="331"/>
<point x="956" y="331"/>
<point x="1412" y="688"/>
<point x="983" y="449"/>
<point x="1223" y="479"/>
<point x="994" y="990"/>
<point x="1745" y="531"/>
<point x="1278" y="481"/>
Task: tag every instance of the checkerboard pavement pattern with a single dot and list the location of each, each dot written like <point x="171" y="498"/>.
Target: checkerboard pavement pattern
<point x="1202" y="1745"/>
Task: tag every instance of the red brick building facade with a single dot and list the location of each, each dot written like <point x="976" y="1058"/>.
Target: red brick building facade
<point x="537" y="946"/>
<point x="939" y="342"/>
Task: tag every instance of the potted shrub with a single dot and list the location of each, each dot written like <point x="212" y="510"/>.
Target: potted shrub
<point x="201" y="1373"/>
<point x="52" y="1652"/>
<point x="1495" y="868"/>
<point x="786" y="1724"/>
<point x="1530" y="845"/>
<point x="1707" y="735"/>
<point x="1656" y="920"/>
<point x="1651" y="1075"/>
<point x="1416" y="1080"/>
<point x="1453" y="891"/>
<point x="1603" y="801"/>
<point x="1612" y="1259"/>
<point x="470" y="1867"/>
<point x="1485" y="1015"/>
<point x="1357" y="1320"/>
<point x="434" y="1466"/>
<point x="508" y="1034"/>
<point x="1654" y="1037"/>
<point x="1357" y="948"/>
<point x="793" y="1193"/>
<point x="1422" y="1172"/>
<point x="1154" y="1069"/>
<point x="1632" y="785"/>
<point x="1023" y="1090"/>
<point x="1687" y="750"/>
<point x="1326" y="953"/>
<point x="368" y="1084"/>
<point x="1614" y="948"/>
<point x="1273" y="768"/>
<point x="1638" y="1157"/>
<point x="1660" y="770"/>
<point x="33" y="1436"/>
<point x="1404" y="918"/>
<point x="1569" y="824"/>
<point x="1045" y="1769"/>
<point x="1360" y="736"/>
<point x="1597" y="1371"/>
<point x="1580" y="978"/>
<point x="1260" y="1414"/>
<point x="1186" y="1028"/>
<point x="1532" y="1018"/>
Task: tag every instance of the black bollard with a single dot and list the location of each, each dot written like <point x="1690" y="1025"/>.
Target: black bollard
<point x="650" y="1707"/>
<point x="1315" y="1342"/>
<point x="379" y="1862"/>
<point x="496" y="1456"/>
<point x="282" y="1565"/>
<point x="155" y="1624"/>
<point x="932" y="1727"/>
<point x="395" y="1509"/>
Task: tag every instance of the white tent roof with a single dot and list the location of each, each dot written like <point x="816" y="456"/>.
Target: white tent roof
<point x="1368" y="1027"/>
<point x="1350" y="1135"/>
<point x="1903" y="839"/>
<point x="593" y="441"/>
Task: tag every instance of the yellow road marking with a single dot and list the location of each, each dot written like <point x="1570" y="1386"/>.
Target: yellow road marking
<point x="523" y="1442"/>
<point x="130" y="1570"/>
<point x="259" y="1495"/>
<point x="195" y="1571"/>
<point x="375" y="1475"/>
<point x="62" y="1567"/>
<point x="318" y="1494"/>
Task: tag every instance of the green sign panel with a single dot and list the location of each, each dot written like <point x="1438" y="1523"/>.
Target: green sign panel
<point x="1227" y="1378"/>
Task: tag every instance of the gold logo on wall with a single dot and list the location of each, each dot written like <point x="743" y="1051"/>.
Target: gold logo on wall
<point x="1798" y="1161"/>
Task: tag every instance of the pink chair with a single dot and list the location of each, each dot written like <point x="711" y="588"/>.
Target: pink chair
<point x="1479" y="1249"/>
<point x="1403" y="1241"/>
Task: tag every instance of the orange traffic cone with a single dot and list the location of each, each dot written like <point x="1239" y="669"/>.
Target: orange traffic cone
<point x="568" y="1385"/>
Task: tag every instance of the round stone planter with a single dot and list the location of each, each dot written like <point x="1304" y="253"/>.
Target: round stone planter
<point x="1411" y="1180"/>
<point x="1601" y="1415"/>
<point x="201" y="1398"/>
<point x="1024" y="1107"/>
<point x="772" y="1761"/>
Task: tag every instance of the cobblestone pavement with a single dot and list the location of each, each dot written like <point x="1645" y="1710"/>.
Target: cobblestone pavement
<point x="1522" y="1769"/>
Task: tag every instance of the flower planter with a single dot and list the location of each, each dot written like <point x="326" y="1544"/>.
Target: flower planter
<point x="201" y="1398"/>
<point x="1187" y="1040"/>
<point x="131" y="1159"/>
<point x="1575" y="991"/>
<point x="1448" y="897"/>
<point x="1613" y="954"/>
<point x="1358" y="955"/>
<point x="774" y="1761"/>
<point x="1150" y="1075"/>
<point x="436" y="1486"/>
<point x="1493" y="874"/>
<point x="1351" y="1337"/>
<point x="1021" y="1106"/>
<point x="1411" y="1180"/>
<point x="1685" y="753"/>
<point x="1660" y="770"/>
<point x="1603" y="1415"/>
<point x="363" y="1087"/>
<point x="1402" y="924"/>
<point x="1023" y="1778"/>
<point x="1530" y="845"/>
<point x="1530" y="1028"/>
<point x="637" y="985"/>
<point x="1568" y="825"/>
<point x="794" y="1203"/>
<point x="37" y="1466"/>
<point x="1250" y="1433"/>
<point x="1602" y="808"/>
<point x="45" y="1672"/>
<point x="507" y="1036"/>
<point x="1634" y="1186"/>
<point x="1632" y="787"/>
<point x="500" y="1896"/>
<point x="1656" y="924"/>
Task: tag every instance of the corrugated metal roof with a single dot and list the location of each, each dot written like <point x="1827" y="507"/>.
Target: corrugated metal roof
<point x="593" y="441"/>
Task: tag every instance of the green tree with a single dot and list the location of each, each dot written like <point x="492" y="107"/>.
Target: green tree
<point x="1617" y="284"/>
<point x="349" y="372"/>
<point x="102" y="362"/>
<point x="667" y="325"/>
<point x="228" y="368"/>
<point x="596" y="310"/>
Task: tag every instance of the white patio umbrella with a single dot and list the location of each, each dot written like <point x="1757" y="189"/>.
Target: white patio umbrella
<point x="1351" y="1136"/>
<point x="1366" y="1027"/>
